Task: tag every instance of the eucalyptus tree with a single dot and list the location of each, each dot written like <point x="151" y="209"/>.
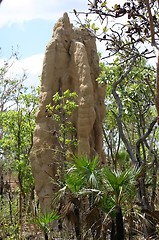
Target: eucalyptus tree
<point x="10" y="87"/>
<point x="17" y="107"/>
<point x="18" y="124"/>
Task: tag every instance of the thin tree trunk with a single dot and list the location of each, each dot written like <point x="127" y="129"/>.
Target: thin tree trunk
<point x="77" y="222"/>
<point x="119" y="223"/>
<point x="112" y="234"/>
<point x="46" y="236"/>
<point x="21" y="213"/>
<point x="10" y="206"/>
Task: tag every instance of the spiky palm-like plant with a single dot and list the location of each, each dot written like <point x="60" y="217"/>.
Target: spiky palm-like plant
<point x="83" y="172"/>
<point x="82" y="175"/>
<point x="121" y="187"/>
<point x="106" y="190"/>
<point x="44" y="220"/>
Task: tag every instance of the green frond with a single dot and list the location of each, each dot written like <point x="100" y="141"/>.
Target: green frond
<point x="121" y="183"/>
<point x="47" y="218"/>
<point x="93" y="180"/>
<point x="74" y="182"/>
<point x="87" y="170"/>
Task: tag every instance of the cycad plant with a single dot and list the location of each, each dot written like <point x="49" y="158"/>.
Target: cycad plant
<point x="104" y="191"/>
<point x="82" y="176"/>
<point x="119" y="186"/>
<point x="44" y="220"/>
<point x="83" y="172"/>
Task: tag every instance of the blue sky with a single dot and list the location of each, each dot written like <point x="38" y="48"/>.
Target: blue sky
<point x="30" y="38"/>
<point x="28" y="24"/>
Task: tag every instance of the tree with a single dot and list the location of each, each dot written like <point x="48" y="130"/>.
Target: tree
<point x="60" y="110"/>
<point x="10" y="86"/>
<point x="17" y="110"/>
<point x="17" y="124"/>
<point x="133" y="33"/>
<point x="17" y="120"/>
<point x="135" y="101"/>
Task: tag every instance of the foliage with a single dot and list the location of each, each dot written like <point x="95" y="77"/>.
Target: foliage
<point x="136" y="92"/>
<point x="83" y="172"/>
<point x="101" y="187"/>
<point x="61" y="110"/>
<point x="17" y="120"/>
<point x="17" y="125"/>
<point x="86" y="174"/>
<point x="10" y="86"/>
<point x="134" y="24"/>
<point x="45" y="219"/>
<point x="10" y="222"/>
<point x="122" y="184"/>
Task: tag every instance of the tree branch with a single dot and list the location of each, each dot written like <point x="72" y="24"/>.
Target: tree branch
<point x="153" y="42"/>
<point x="143" y="138"/>
<point x="118" y="117"/>
<point x="157" y="87"/>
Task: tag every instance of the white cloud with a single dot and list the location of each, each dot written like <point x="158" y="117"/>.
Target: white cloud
<point x="32" y="63"/>
<point x="26" y="10"/>
<point x="32" y="66"/>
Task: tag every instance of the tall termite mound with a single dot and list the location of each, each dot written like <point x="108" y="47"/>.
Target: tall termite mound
<point x="70" y="62"/>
